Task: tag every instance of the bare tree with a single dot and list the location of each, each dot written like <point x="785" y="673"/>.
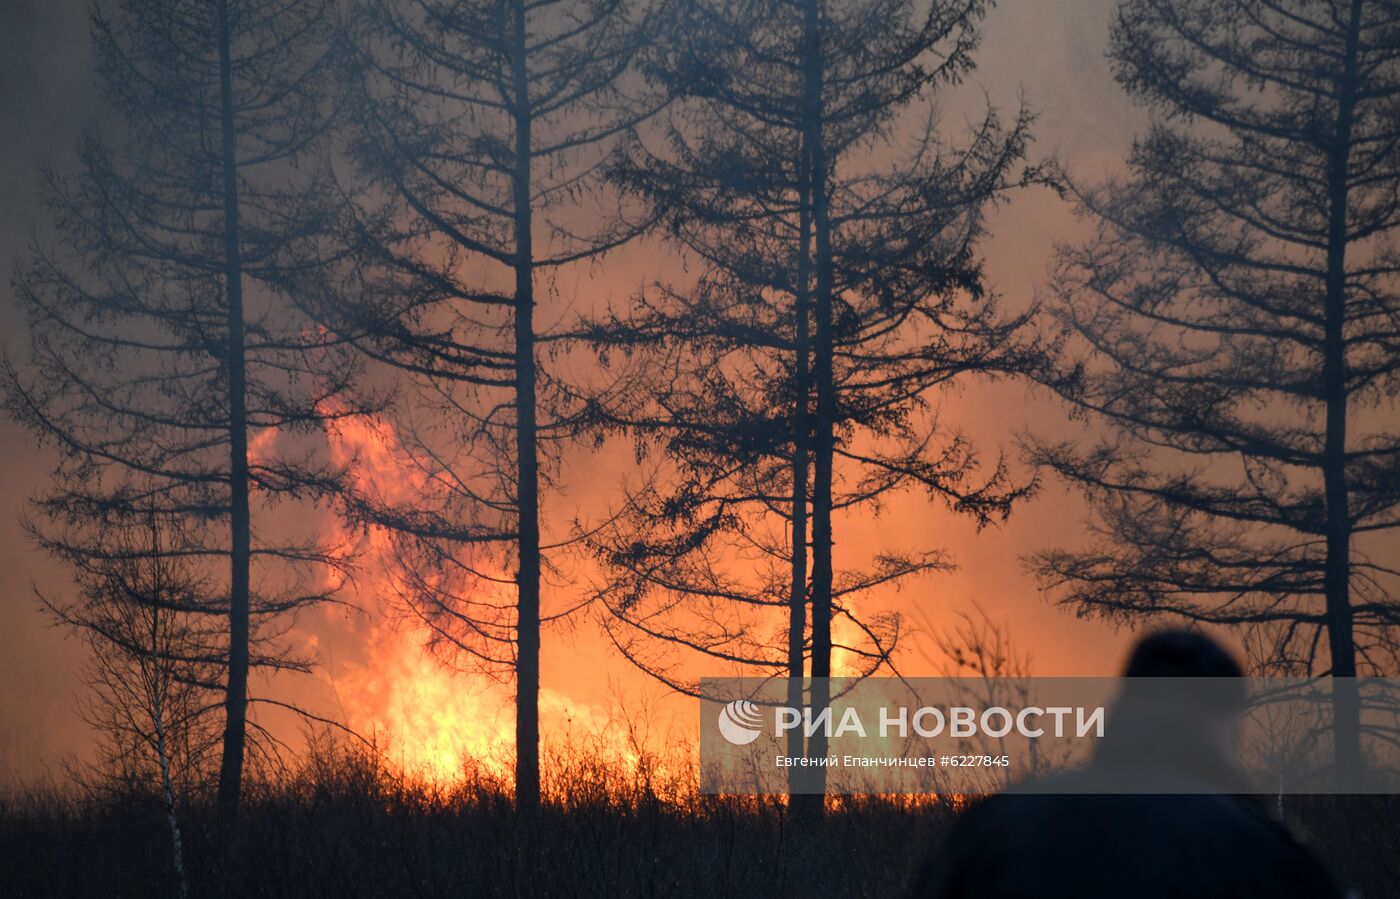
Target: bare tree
<point x="161" y="338"/>
<point x="1235" y="319"/>
<point x="992" y="669"/>
<point x="840" y="292"/>
<point x="154" y="668"/>
<point x="482" y="127"/>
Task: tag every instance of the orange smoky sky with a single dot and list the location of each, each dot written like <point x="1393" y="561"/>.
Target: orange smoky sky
<point x="374" y="673"/>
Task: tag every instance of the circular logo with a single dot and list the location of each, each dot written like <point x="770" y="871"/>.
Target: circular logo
<point x="740" y="722"/>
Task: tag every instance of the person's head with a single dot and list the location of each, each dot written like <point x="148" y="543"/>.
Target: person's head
<point x="1180" y="653"/>
<point x="1182" y="693"/>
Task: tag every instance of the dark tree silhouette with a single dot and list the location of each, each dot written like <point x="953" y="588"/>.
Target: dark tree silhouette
<point x="160" y="337"/>
<point x="1237" y="317"/>
<point x="154" y="669"/>
<point x="840" y="292"/>
<point x="482" y="125"/>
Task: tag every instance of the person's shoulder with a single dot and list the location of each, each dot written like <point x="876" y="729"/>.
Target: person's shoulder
<point x="1046" y="843"/>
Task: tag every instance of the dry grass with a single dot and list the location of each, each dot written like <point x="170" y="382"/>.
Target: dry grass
<point x="344" y="824"/>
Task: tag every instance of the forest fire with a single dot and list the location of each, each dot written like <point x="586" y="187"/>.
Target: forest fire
<point x="414" y="409"/>
<point x="427" y="717"/>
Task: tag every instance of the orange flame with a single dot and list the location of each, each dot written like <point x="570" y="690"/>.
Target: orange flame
<point x="434" y="721"/>
<point x="430" y="719"/>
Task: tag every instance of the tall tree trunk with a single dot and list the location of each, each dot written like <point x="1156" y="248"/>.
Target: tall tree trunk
<point x="801" y="463"/>
<point x="236" y="692"/>
<point x="1346" y="705"/>
<point x="823" y="441"/>
<point x="527" y="670"/>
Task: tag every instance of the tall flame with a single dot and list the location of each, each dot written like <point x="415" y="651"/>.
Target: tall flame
<point x="433" y="720"/>
<point x="428" y="717"/>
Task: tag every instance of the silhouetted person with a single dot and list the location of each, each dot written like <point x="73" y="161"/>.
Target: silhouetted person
<point x="1070" y="838"/>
